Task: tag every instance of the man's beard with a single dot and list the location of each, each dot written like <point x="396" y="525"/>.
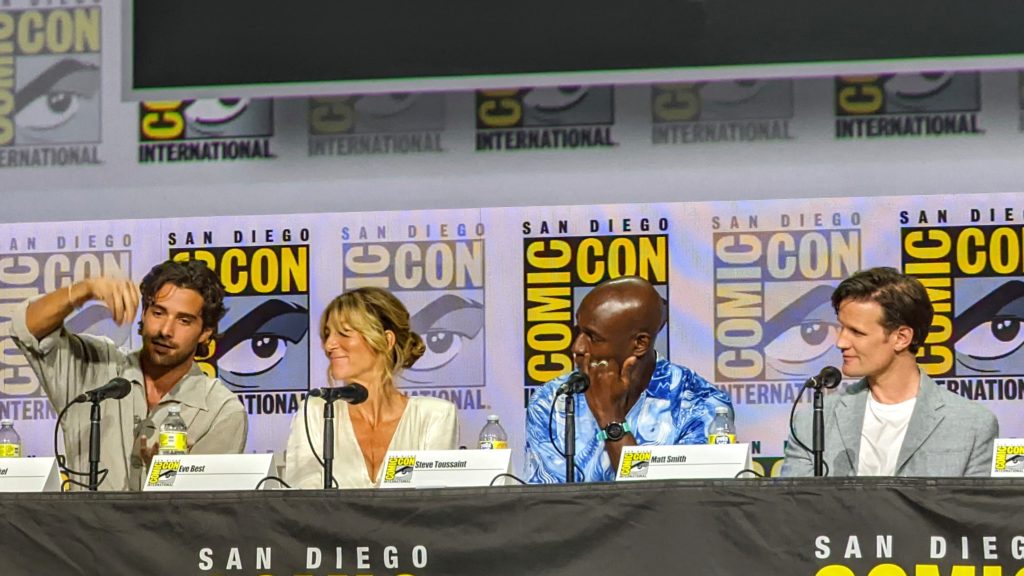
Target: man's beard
<point x="168" y="357"/>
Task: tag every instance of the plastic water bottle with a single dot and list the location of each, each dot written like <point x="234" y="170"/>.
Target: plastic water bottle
<point x="493" y="436"/>
<point x="173" y="432"/>
<point x="10" y="442"/>
<point x="722" y="429"/>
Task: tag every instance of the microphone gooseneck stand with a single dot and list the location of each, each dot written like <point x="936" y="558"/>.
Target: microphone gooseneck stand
<point x="328" y="442"/>
<point x="828" y="378"/>
<point x="353" y="394"/>
<point x="818" y="441"/>
<point x="94" y="445"/>
<point x="570" y="436"/>
<point x="577" y="383"/>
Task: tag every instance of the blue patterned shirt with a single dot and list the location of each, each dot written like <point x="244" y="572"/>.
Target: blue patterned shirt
<point x="677" y="408"/>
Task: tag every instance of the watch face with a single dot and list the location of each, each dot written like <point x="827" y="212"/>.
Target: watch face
<point x="614" y="431"/>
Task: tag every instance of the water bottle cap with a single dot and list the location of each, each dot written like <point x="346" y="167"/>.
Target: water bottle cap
<point x="721" y="410"/>
<point x="174" y="409"/>
<point x="6" y="422"/>
<point x="492" y="418"/>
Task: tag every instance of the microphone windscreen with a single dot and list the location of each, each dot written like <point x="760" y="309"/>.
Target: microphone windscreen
<point x="359" y="394"/>
<point x="831" y="377"/>
<point x="121" y="388"/>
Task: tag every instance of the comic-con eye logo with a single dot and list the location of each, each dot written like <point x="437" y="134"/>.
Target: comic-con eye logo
<point x="975" y="281"/>
<point x="26" y="275"/>
<point x="50" y="83"/>
<point x="928" y="104"/>
<point x="263" y="344"/>
<point x="217" y="129"/>
<point x="545" y="118"/>
<point x="399" y="469"/>
<point x="773" y="311"/>
<point x="401" y="123"/>
<point x="196" y="119"/>
<point x="398" y="112"/>
<point x="1010" y="459"/>
<point x="731" y="111"/>
<point x="452" y="329"/>
<point x="164" y="473"/>
<point x="635" y="464"/>
<point x="559" y="272"/>
<point x="442" y="285"/>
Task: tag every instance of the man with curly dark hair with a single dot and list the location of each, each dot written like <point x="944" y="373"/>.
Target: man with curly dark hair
<point x="182" y="302"/>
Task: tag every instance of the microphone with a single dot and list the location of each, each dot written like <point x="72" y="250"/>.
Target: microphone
<point x="352" y="393"/>
<point x="576" y="383"/>
<point x="117" y="388"/>
<point x="829" y="377"/>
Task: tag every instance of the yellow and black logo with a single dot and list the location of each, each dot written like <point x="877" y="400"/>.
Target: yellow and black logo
<point x="399" y="469"/>
<point x="1010" y="459"/>
<point x="50" y="85"/>
<point x="400" y="123"/>
<point x="729" y="111"/>
<point x="29" y="274"/>
<point x="545" y="118"/>
<point x="773" y="315"/>
<point x="559" y="271"/>
<point x="164" y="473"/>
<point x="442" y="284"/>
<point x="205" y="130"/>
<point x="907" y="105"/>
<point x="975" y="280"/>
<point x="635" y="464"/>
<point x="263" y="344"/>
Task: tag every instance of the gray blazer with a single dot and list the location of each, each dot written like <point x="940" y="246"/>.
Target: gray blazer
<point x="947" y="435"/>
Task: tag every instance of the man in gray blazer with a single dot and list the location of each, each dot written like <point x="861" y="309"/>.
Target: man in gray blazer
<point x="895" y="421"/>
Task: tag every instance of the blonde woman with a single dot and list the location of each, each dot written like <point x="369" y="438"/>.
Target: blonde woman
<point x="366" y="337"/>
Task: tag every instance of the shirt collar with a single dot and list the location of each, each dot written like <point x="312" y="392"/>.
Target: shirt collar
<point x="661" y="385"/>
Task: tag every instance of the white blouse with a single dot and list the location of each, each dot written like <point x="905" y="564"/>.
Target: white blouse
<point x="427" y="424"/>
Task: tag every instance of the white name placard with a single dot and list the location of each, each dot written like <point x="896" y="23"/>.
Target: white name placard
<point x="29" y="475"/>
<point x="445" y="468"/>
<point x="209" y="472"/>
<point x="652" y="462"/>
<point x="1008" y="458"/>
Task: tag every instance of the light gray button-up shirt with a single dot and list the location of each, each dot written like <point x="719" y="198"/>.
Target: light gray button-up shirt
<point x="68" y="364"/>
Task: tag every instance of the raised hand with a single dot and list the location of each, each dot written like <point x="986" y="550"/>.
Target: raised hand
<point x="120" y="295"/>
<point x="610" y="384"/>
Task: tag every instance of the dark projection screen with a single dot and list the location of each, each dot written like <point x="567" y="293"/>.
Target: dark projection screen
<point x="220" y="43"/>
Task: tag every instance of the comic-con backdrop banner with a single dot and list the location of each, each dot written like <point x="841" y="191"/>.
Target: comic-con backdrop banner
<point x="50" y="84"/>
<point x="856" y="528"/>
<point x="493" y="293"/>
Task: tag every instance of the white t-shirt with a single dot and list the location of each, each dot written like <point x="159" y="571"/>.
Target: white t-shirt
<point x="885" y="426"/>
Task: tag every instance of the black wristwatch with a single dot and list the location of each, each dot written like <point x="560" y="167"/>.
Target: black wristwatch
<point x="614" y="431"/>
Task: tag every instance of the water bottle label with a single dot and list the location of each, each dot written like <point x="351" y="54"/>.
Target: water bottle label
<point x="493" y="445"/>
<point x="173" y="442"/>
<point x="10" y="451"/>
<point x="722" y="439"/>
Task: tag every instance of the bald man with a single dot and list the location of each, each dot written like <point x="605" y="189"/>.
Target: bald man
<point x="635" y="396"/>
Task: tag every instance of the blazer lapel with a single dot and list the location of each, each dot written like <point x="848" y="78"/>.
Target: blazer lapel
<point x="923" y="421"/>
<point x="849" y="418"/>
